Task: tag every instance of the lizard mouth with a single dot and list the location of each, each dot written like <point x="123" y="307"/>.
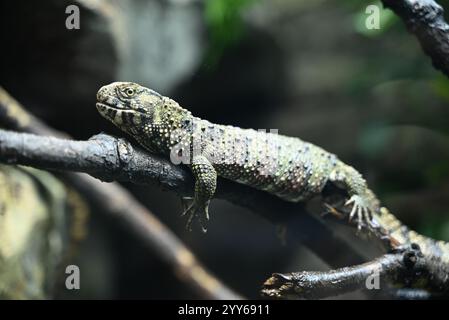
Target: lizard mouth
<point x="111" y="110"/>
<point x="103" y="107"/>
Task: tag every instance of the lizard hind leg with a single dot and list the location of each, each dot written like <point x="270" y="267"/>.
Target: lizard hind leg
<point x="205" y="185"/>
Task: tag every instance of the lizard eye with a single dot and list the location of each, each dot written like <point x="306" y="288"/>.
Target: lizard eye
<point x="129" y="92"/>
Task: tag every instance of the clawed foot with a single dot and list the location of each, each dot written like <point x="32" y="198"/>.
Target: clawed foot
<point x="362" y="210"/>
<point x="193" y="211"/>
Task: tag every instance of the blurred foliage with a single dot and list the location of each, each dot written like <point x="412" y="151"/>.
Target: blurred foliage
<point x="373" y="141"/>
<point x="441" y="87"/>
<point x="437" y="173"/>
<point x="225" y="25"/>
<point x="438" y="228"/>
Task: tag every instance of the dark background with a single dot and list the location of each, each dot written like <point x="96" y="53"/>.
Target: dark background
<point x="310" y="69"/>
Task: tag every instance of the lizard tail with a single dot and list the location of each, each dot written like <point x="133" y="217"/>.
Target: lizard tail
<point x="438" y="250"/>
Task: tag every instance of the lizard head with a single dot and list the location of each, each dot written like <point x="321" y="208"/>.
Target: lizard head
<point x="143" y="113"/>
<point x="128" y="105"/>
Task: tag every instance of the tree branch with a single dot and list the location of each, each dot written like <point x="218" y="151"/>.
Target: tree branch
<point x="405" y="266"/>
<point x="425" y="19"/>
<point x="108" y="158"/>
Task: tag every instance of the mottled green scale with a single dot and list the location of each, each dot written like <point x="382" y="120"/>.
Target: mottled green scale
<point x="287" y="167"/>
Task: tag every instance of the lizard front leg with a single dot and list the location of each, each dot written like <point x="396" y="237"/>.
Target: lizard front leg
<point x="364" y="202"/>
<point x="205" y="186"/>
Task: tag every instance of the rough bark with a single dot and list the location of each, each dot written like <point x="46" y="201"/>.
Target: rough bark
<point x="425" y="19"/>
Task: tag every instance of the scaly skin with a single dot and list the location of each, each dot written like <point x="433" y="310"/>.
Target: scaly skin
<point x="403" y="236"/>
<point x="289" y="168"/>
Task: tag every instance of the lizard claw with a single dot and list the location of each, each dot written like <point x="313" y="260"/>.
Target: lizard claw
<point x="361" y="210"/>
<point x="186" y="203"/>
<point x="195" y="211"/>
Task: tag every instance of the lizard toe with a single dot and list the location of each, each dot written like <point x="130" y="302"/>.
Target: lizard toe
<point x="197" y="212"/>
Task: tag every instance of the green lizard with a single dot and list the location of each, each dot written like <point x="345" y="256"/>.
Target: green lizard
<point x="287" y="167"/>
